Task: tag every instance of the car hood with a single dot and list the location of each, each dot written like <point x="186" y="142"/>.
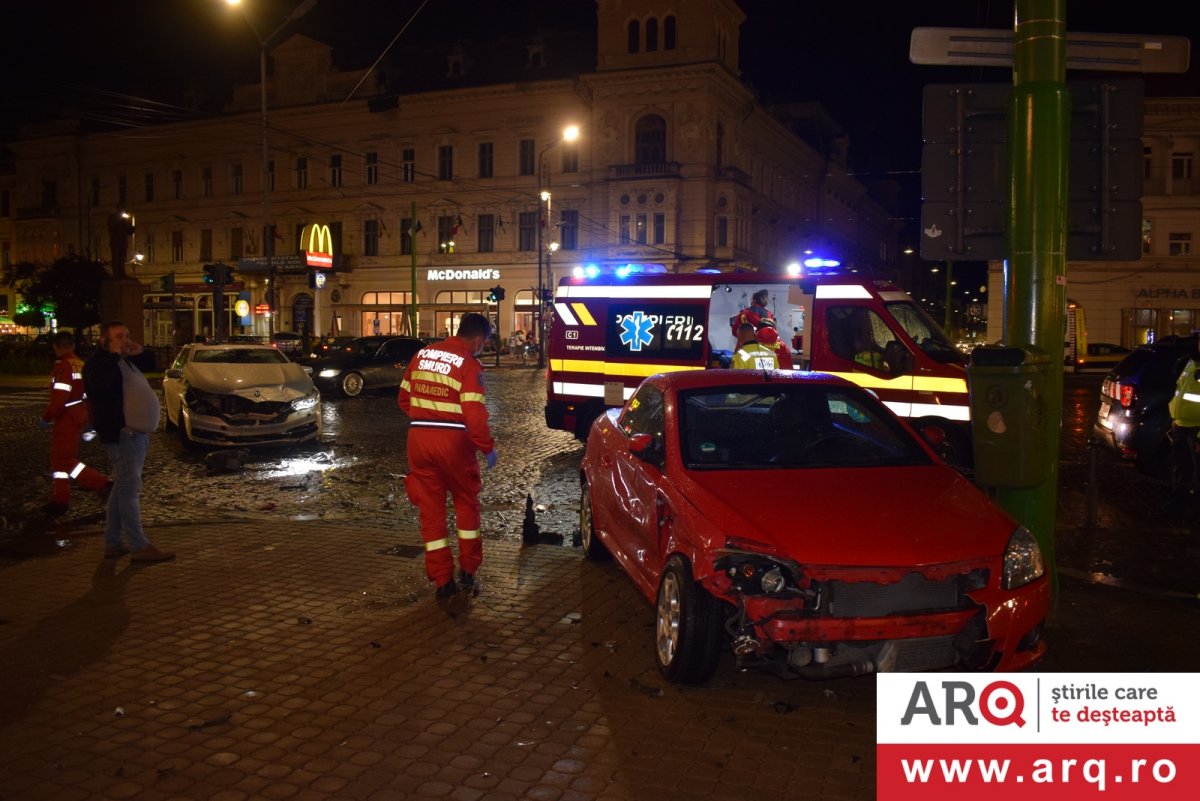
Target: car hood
<point x="271" y="382"/>
<point x="881" y="516"/>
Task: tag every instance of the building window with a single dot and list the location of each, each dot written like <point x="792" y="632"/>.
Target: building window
<point x="176" y="247"/>
<point x="651" y="35"/>
<point x="271" y="176"/>
<point x="634" y="36"/>
<point x="371" y="159"/>
<point x="206" y="181"/>
<point x="149" y="177"/>
<point x="371" y="237"/>
<point x="1179" y="244"/>
<point x="177" y="184"/>
<point x="95" y="193"/>
<point x="722" y="232"/>
<point x="148" y="243"/>
<point x="526" y="156"/>
<point x="569" y="229"/>
<point x="206" y="245"/>
<point x="660" y="228"/>
<point x="486" y="160"/>
<point x="391" y="316"/>
<point x="237" y="179"/>
<point x="335" y="170"/>
<point x="122" y="191"/>
<point x="650" y="140"/>
<point x="641" y="229"/>
<point x="446" y="162"/>
<point x="1147" y="230"/>
<point x="445" y="232"/>
<point x="302" y="173"/>
<point x="5" y="261"/>
<point x="486" y="225"/>
<point x="669" y="33"/>
<point x="1181" y="165"/>
<point x="623" y="229"/>
<point x="570" y="158"/>
<point x="406" y="236"/>
<point x="1148" y="162"/>
<point x="335" y="236"/>
<point x="49" y="194"/>
<point x="527" y="231"/>
<point x="235" y="243"/>
<point x="408" y="165"/>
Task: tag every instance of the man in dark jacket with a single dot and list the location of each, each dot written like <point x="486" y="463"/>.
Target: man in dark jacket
<point x="124" y="412"/>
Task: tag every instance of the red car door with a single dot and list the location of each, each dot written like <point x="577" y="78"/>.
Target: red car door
<point x="636" y="478"/>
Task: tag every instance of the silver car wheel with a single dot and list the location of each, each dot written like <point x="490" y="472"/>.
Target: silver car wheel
<point x="666" y="629"/>
<point x="352" y="384"/>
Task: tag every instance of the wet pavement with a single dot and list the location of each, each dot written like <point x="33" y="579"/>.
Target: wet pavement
<point x="295" y="651"/>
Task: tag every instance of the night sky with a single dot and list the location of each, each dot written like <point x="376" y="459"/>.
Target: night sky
<point x="850" y="56"/>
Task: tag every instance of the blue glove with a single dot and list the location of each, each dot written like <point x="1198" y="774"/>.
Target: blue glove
<point x="44" y="424"/>
<point x="491" y="459"/>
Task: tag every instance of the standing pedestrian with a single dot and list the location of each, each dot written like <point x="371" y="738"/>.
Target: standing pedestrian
<point x="1184" y="408"/>
<point x="124" y="411"/>
<point x="443" y="395"/>
<point x="68" y="412"/>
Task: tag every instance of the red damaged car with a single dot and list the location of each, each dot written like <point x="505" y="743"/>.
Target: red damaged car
<point x="795" y="519"/>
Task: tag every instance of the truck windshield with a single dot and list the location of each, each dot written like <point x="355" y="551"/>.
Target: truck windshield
<point x="925" y="332"/>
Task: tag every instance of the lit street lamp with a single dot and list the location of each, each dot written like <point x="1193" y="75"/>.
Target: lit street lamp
<point x="570" y="134"/>
<point x="268" y="234"/>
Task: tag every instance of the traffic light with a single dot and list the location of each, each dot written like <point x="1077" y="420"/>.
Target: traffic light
<point x="167" y="282"/>
<point x="495" y="294"/>
<point x="227" y="278"/>
<point x="547" y="295"/>
<point x="212" y="273"/>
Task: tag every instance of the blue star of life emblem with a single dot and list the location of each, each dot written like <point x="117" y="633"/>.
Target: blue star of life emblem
<point x="635" y="330"/>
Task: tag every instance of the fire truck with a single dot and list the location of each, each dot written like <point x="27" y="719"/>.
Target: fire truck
<point x="609" y="332"/>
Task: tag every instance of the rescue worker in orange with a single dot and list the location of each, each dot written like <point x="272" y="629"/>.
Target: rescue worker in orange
<point x="768" y="337"/>
<point x="755" y="313"/>
<point x="69" y="413"/>
<point x="443" y="395"/>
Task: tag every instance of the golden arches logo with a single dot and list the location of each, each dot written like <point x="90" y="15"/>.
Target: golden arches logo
<point x="320" y="240"/>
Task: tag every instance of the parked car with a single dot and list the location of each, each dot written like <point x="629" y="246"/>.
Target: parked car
<point x="240" y="394"/>
<point x="1133" y="420"/>
<point x="366" y="363"/>
<point x="795" y="519"/>
<point x="1100" y="356"/>
<point x="287" y="342"/>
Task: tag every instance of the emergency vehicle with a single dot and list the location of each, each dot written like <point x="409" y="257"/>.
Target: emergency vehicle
<point x="609" y="332"/>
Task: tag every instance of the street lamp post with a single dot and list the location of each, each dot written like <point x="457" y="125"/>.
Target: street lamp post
<point x="570" y="134"/>
<point x="268" y="233"/>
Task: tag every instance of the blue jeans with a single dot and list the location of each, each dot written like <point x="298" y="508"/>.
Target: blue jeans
<point x="125" y="503"/>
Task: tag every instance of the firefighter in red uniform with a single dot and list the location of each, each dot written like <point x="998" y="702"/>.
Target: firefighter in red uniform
<point x="68" y="412"/>
<point x="442" y="394"/>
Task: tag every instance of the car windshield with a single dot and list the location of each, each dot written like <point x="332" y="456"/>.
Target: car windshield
<point x="365" y="347"/>
<point x="239" y="356"/>
<point x="925" y="332"/>
<point x="791" y="426"/>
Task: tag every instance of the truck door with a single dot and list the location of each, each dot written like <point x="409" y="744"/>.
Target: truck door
<point x="860" y="346"/>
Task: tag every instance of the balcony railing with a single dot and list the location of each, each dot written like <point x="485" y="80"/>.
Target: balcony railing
<point x="667" y="169"/>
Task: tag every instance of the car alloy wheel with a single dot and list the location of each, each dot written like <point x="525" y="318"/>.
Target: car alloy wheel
<point x="687" y="630"/>
<point x="593" y="549"/>
<point x="352" y="384"/>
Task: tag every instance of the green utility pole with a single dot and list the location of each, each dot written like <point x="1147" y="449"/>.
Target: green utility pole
<point x="1039" y="116"/>
<point x="412" y="248"/>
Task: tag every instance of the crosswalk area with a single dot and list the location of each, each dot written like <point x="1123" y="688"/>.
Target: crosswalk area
<point x="26" y="399"/>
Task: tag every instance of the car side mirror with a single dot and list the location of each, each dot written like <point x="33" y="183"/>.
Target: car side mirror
<point x="173" y="373"/>
<point x="646" y="447"/>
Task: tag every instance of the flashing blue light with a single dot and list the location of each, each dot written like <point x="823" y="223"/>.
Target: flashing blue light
<point x="624" y="271"/>
<point x="591" y="271"/>
<point x="709" y="271"/>
<point x="817" y="262"/>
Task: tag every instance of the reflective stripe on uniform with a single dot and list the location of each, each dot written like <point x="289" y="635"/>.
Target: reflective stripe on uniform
<point x="436" y="378"/>
<point x="1191" y="396"/>
<point x="79" y="468"/>
<point x="61" y="386"/>
<point x="437" y="406"/>
<point x="404" y="385"/>
<point x="468" y="535"/>
<point x="471" y="397"/>
<point x="73" y="403"/>
<point x="57" y="474"/>
<point x="437" y="424"/>
<point x="77" y="376"/>
<point x="437" y="545"/>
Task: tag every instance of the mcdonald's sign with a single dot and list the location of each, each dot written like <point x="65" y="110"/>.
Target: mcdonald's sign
<point x="317" y="243"/>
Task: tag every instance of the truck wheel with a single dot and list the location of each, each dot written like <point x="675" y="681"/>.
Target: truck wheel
<point x="687" y="626"/>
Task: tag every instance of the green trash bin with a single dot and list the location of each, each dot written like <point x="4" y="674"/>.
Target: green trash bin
<point x="1009" y="415"/>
